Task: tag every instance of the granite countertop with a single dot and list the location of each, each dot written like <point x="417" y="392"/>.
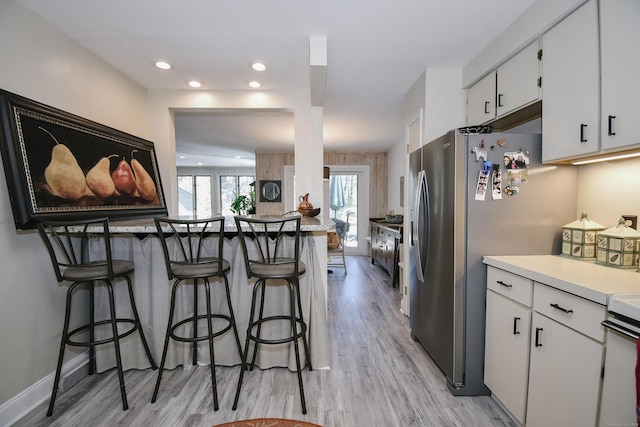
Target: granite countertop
<point x="582" y="278"/>
<point x="147" y="225"/>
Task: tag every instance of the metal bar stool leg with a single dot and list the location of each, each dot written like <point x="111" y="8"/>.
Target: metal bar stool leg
<point x="116" y="344"/>
<point x="194" y="344"/>
<point x="212" y="364"/>
<point x="294" y="331"/>
<point x="263" y="290"/>
<point x="304" y="336"/>
<point x="245" y="354"/>
<point x="166" y="340"/>
<point x="92" y="320"/>
<point x="139" y="324"/>
<point x="63" y="342"/>
<point x="232" y="316"/>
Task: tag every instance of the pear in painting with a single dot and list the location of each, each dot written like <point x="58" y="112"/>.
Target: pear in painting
<point x="63" y="174"/>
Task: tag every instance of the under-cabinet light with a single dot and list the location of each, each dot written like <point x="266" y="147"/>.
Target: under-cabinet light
<point x="604" y="159"/>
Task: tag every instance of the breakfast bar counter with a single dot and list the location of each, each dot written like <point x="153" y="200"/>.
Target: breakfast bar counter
<point x="137" y="241"/>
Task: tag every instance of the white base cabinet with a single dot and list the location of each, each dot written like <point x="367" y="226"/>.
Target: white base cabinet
<point x="507" y="352"/>
<point x="544" y="351"/>
<point x="564" y="378"/>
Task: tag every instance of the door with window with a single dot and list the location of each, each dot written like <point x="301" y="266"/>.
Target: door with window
<point x="348" y="187"/>
<point x="352" y="183"/>
<point x="194" y="196"/>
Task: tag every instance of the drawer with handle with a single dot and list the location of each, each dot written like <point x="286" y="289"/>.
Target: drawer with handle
<point x="511" y="285"/>
<point x="573" y="311"/>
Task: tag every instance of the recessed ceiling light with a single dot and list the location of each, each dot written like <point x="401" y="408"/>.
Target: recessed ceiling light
<point x="163" y="65"/>
<point x="253" y="84"/>
<point x="182" y="157"/>
<point x="258" y="66"/>
<point x="194" y="83"/>
<point x="199" y="163"/>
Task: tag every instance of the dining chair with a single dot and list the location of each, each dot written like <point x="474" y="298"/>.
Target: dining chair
<point x="271" y="250"/>
<point x="336" y="255"/>
<point x="67" y="243"/>
<point x="193" y="253"/>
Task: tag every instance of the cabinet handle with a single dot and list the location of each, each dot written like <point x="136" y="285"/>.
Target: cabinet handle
<point x="516" y="321"/>
<point x="538" y="343"/>
<point x="500" y="100"/>
<point x="568" y="311"/>
<point x="500" y="282"/>
<point x="486" y="107"/>
<point x="582" y="138"/>
<point x="611" y="132"/>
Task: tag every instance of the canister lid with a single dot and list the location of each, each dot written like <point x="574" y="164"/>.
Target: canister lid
<point x="584" y="223"/>
<point x="621" y="231"/>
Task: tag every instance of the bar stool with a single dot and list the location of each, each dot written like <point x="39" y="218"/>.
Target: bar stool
<point x="269" y="257"/>
<point x="191" y="260"/>
<point x="71" y="264"/>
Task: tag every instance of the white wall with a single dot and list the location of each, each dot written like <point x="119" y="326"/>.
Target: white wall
<point x="609" y="190"/>
<point x="395" y="161"/>
<point x="308" y="138"/>
<point x="42" y="64"/>
<point x="445" y="102"/>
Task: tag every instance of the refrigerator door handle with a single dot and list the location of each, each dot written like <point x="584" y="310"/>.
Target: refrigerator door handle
<point x="416" y="223"/>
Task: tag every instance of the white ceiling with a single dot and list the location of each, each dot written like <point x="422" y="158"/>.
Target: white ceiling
<point x="376" y="50"/>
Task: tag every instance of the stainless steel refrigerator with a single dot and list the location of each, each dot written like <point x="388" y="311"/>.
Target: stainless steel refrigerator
<point x="453" y="228"/>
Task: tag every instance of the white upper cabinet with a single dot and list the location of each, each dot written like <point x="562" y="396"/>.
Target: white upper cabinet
<point x="481" y="101"/>
<point x="620" y="59"/>
<point x="512" y="86"/>
<point x="570" y="86"/>
<point x="518" y="81"/>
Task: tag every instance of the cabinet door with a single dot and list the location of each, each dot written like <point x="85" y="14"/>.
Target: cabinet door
<point x="564" y="376"/>
<point x="518" y="81"/>
<point x="506" y="365"/>
<point x="481" y="101"/>
<point x="570" y="86"/>
<point x="619" y="36"/>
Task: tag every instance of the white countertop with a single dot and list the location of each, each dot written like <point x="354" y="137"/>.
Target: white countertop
<point x="582" y="278"/>
<point x="147" y="225"/>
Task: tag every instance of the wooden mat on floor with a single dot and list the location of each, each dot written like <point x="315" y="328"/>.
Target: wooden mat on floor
<point x="268" y="422"/>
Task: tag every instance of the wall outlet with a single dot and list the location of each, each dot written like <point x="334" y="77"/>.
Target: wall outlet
<point x="631" y="221"/>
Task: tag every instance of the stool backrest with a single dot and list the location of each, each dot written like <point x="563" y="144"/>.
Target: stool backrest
<point x="263" y="241"/>
<point x="67" y="241"/>
<point x="190" y="238"/>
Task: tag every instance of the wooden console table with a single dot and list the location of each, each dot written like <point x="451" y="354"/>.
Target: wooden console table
<point x="385" y="248"/>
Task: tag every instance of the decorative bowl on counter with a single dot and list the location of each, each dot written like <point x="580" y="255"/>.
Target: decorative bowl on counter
<point x="309" y="212"/>
<point x="393" y="219"/>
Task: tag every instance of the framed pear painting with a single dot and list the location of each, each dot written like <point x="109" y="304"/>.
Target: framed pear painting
<point x="62" y="166"/>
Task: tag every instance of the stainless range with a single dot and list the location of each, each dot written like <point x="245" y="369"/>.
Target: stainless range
<point x="618" y="403"/>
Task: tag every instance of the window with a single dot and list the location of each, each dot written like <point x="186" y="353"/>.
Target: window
<point x="194" y="196"/>
<point x="232" y="186"/>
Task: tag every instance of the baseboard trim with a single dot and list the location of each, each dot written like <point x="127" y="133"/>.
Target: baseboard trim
<point x="24" y="402"/>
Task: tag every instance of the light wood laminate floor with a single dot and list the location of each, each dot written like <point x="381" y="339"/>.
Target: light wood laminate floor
<point x="379" y="377"/>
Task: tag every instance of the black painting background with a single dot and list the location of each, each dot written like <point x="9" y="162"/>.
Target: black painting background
<point x="88" y="148"/>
